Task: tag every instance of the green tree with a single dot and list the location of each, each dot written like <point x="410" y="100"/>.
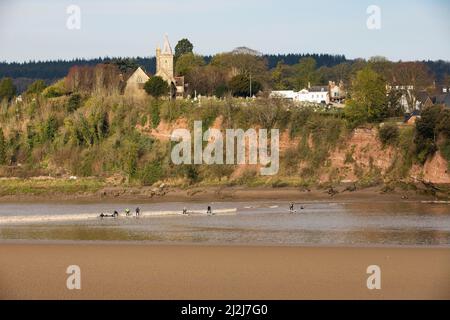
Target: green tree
<point x="240" y="86"/>
<point x="36" y="87"/>
<point x="186" y="62"/>
<point x="154" y="113"/>
<point x="388" y="134"/>
<point x="151" y="173"/>
<point x="7" y="89"/>
<point x="2" y="148"/>
<point x="183" y="46"/>
<point x="49" y="129"/>
<point x="427" y="132"/>
<point x="368" y="101"/>
<point x="156" y="87"/>
<point x="74" y="102"/>
<point x="305" y="73"/>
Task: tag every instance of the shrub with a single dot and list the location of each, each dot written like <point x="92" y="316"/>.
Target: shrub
<point x="156" y="87"/>
<point x="74" y="102"/>
<point x="56" y="90"/>
<point x="388" y="134"/>
<point x="150" y="174"/>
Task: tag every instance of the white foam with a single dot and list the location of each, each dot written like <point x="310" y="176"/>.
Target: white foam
<point x="90" y="216"/>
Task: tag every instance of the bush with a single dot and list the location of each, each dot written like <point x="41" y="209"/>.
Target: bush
<point x="150" y="174"/>
<point x="240" y="86"/>
<point x="36" y="87"/>
<point x="74" y="102"/>
<point x="156" y="87"/>
<point x="56" y="90"/>
<point x="7" y="89"/>
<point x="154" y="113"/>
<point x="388" y="134"/>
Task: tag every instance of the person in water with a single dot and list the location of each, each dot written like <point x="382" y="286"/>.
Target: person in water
<point x="184" y="210"/>
<point x="138" y="212"/>
<point x="208" y="210"/>
<point x="291" y="207"/>
<point x="104" y="215"/>
<point x="127" y="211"/>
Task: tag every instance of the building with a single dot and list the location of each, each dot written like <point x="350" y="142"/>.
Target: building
<point x="165" y="69"/>
<point x="337" y="92"/>
<point x="443" y="99"/>
<point x="423" y="100"/>
<point x="315" y="94"/>
<point x="135" y="83"/>
<point x="284" y="94"/>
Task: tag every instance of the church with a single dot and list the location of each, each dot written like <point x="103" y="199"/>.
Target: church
<point x="164" y="69"/>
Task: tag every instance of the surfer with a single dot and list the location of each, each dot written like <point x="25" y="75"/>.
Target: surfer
<point x="291" y="207"/>
<point x="104" y="215"/>
<point x="138" y="212"/>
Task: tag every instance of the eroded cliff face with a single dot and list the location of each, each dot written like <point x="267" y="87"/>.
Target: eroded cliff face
<point x="359" y="154"/>
<point x="435" y="170"/>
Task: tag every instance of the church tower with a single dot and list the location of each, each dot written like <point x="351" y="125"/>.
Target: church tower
<point x="164" y="61"/>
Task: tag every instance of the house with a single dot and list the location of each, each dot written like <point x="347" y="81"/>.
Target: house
<point x="135" y="83"/>
<point x="284" y="94"/>
<point x="408" y="100"/>
<point x="314" y="94"/>
<point x="443" y="99"/>
<point x="165" y="70"/>
<point x="424" y="100"/>
<point x="337" y="92"/>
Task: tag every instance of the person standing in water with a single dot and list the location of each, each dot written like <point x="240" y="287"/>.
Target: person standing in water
<point x="138" y="212"/>
<point x="184" y="210"/>
<point x="127" y="211"/>
<point x="208" y="210"/>
<point x="291" y="207"/>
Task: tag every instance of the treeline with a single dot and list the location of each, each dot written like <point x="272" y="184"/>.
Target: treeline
<point x="52" y="70"/>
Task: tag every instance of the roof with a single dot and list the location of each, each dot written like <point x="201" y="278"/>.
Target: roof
<point x="318" y="89"/>
<point x="167" y="49"/>
<point x="422" y="96"/>
<point x="137" y="71"/>
<point x="443" y="99"/>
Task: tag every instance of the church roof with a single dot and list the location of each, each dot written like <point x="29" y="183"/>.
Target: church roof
<point x="167" y="49"/>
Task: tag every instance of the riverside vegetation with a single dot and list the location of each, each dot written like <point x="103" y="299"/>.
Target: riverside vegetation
<point x="87" y="140"/>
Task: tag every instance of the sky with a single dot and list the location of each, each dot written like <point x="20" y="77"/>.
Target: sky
<point x="408" y="30"/>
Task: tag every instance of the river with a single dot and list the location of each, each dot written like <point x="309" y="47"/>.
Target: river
<point x="378" y="223"/>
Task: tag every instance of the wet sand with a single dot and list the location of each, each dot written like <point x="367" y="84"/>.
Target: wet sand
<point x="142" y="271"/>
<point x="227" y="193"/>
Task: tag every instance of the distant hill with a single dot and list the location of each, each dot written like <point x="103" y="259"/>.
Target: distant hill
<point x="245" y="50"/>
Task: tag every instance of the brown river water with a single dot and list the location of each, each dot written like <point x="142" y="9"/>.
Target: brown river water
<point x="261" y="223"/>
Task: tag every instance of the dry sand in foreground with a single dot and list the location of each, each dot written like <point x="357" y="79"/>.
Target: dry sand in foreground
<point x="134" y="271"/>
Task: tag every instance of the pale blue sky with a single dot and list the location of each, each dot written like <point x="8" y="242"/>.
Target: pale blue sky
<point x="36" y="29"/>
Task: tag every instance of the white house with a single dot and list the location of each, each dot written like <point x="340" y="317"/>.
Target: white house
<point x="284" y="94"/>
<point x="317" y="94"/>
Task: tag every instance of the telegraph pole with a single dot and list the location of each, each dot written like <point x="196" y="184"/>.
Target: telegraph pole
<point x="250" y="85"/>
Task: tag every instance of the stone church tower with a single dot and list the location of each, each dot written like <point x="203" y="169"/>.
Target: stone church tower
<point x="164" y="61"/>
<point x="165" y="69"/>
